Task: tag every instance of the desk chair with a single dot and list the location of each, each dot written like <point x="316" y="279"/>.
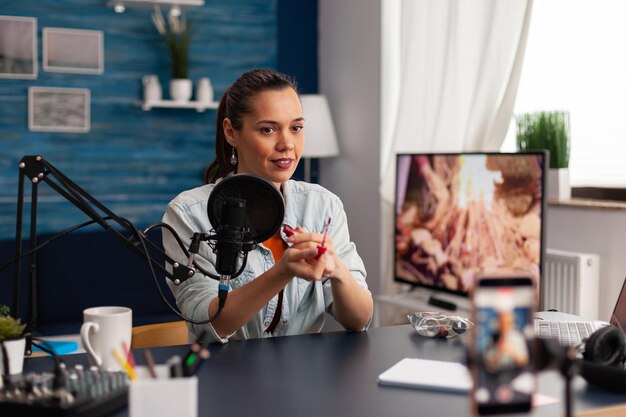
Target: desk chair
<point x="160" y="334"/>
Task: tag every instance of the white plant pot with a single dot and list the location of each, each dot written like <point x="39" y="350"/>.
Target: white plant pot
<point x="558" y="184"/>
<point x="180" y="89"/>
<point x="15" y="353"/>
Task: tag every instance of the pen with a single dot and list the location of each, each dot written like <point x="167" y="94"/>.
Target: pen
<point x="125" y="365"/>
<point x="176" y="367"/>
<point x="194" y="359"/>
<point x="129" y="355"/>
<point x="147" y="356"/>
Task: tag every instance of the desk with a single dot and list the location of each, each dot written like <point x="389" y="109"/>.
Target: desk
<point x="334" y="374"/>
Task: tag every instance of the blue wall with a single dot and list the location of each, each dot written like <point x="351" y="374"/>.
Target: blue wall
<point x="297" y="42"/>
<point x="133" y="161"/>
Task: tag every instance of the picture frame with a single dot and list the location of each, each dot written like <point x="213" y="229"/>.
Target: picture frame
<point x="59" y="109"/>
<point x="18" y="47"/>
<point x="75" y="51"/>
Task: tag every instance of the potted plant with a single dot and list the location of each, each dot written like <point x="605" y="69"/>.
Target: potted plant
<point x="12" y="340"/>
<point x="548" y="130"/>
<point x="176" y="33"/>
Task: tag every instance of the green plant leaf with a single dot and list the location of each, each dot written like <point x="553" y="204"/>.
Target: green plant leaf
<point x="178" y="44"/>
<point x="10" y="328"/>
<point x="545" y="130"/>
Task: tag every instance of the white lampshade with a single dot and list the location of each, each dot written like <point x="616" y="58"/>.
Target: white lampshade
<point x="319" y="130"/>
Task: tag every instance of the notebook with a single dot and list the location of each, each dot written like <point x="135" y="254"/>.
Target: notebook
<point x="60" y="347"/>
<point x="571" y="331"/>
<point x="428" y="374"/>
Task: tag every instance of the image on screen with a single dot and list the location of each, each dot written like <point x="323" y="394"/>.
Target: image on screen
<point x="459" y="214"/>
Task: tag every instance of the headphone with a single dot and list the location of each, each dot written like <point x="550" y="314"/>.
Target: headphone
<point x="603" y="359"/>
<point x="606" y="346"/>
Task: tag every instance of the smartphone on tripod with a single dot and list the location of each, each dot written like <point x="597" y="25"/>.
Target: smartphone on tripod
<point x="502" y="346"/>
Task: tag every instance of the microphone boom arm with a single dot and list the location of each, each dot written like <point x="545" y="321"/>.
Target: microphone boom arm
<point x="37" y="169"/>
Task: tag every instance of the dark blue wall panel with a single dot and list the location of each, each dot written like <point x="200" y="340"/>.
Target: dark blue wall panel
<point x="297" y="42"/>
<point x="131" y="160"/>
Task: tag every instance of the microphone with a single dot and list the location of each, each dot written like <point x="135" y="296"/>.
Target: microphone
<point x="230" y="240"/>
<point x="244" y="209"/>
<point x="230" y="235"/>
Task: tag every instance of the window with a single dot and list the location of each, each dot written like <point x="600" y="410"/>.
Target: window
<point x="576" y="61"/>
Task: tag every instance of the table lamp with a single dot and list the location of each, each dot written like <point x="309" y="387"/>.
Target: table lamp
<point x="320" y="137"/>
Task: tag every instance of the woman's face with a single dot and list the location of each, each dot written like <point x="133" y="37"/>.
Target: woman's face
<point x="270" y="141"/>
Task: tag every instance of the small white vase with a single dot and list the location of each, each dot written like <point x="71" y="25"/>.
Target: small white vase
<point x="180" y="89"/>
<point x="15" y="353"/>
<point x="204" y="90"/>
<point x="558" y="184"/>
<point x="151" y="88"/>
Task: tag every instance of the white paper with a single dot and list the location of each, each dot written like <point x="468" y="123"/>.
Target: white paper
<point x="428" y="374"/>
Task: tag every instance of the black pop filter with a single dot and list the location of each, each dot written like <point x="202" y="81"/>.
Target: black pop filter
<point x="264" y="206"/>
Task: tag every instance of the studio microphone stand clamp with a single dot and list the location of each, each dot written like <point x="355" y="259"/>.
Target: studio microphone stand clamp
<point x="227" y="243"/>
<point x="569" y="366"/>
<point x="37" y="170"/>
<point x="553" y="355"/>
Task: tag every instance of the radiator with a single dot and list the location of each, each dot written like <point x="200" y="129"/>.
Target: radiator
<point x="571" y="283"/>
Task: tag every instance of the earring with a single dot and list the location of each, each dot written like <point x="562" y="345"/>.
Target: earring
<point x="233" y="157"/>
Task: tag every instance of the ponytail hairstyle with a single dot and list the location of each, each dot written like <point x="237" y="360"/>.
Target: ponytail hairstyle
<point x="236" y="103"/>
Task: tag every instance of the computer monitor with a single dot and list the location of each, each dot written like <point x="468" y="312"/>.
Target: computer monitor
<point x="457" y="214"/>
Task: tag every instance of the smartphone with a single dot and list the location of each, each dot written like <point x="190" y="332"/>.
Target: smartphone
<point x="502" y="346"/>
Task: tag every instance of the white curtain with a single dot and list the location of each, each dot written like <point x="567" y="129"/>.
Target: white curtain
<point x="458" y="64"/>
<point x="450" y="74"/>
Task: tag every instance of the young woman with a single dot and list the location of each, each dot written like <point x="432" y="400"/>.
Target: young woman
<point x="283" y="290"/>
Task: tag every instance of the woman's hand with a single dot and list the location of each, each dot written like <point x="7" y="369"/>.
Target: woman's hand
<point x="300" y="259"/>
<point x="352" y="304"/>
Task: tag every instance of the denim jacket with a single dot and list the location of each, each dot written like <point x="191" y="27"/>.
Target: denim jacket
<point x="304" y="303"/>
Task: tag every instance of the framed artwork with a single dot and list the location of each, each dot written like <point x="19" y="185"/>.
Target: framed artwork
<point x="73" y="50"/>
<point x="59" y="109"/>
<point x="18" y="47"/>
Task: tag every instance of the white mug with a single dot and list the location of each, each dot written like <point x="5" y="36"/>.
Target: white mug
<point x="104" y="330"/>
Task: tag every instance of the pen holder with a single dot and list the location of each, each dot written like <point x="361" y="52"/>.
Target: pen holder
<point x="164" y="396"/>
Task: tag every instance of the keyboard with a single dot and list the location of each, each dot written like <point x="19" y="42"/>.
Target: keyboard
<point x="569" y="333"/>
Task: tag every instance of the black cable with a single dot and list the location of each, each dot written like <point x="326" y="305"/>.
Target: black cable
<point x="186" y="252"/>
<point x="141" y="239"/>
<point x="44" y="346"/>
<point x="52" y="239"/>
<point x="180" y="243"/>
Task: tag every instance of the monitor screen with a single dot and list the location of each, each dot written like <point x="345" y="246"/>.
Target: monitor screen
<point x="458" y="214"/>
